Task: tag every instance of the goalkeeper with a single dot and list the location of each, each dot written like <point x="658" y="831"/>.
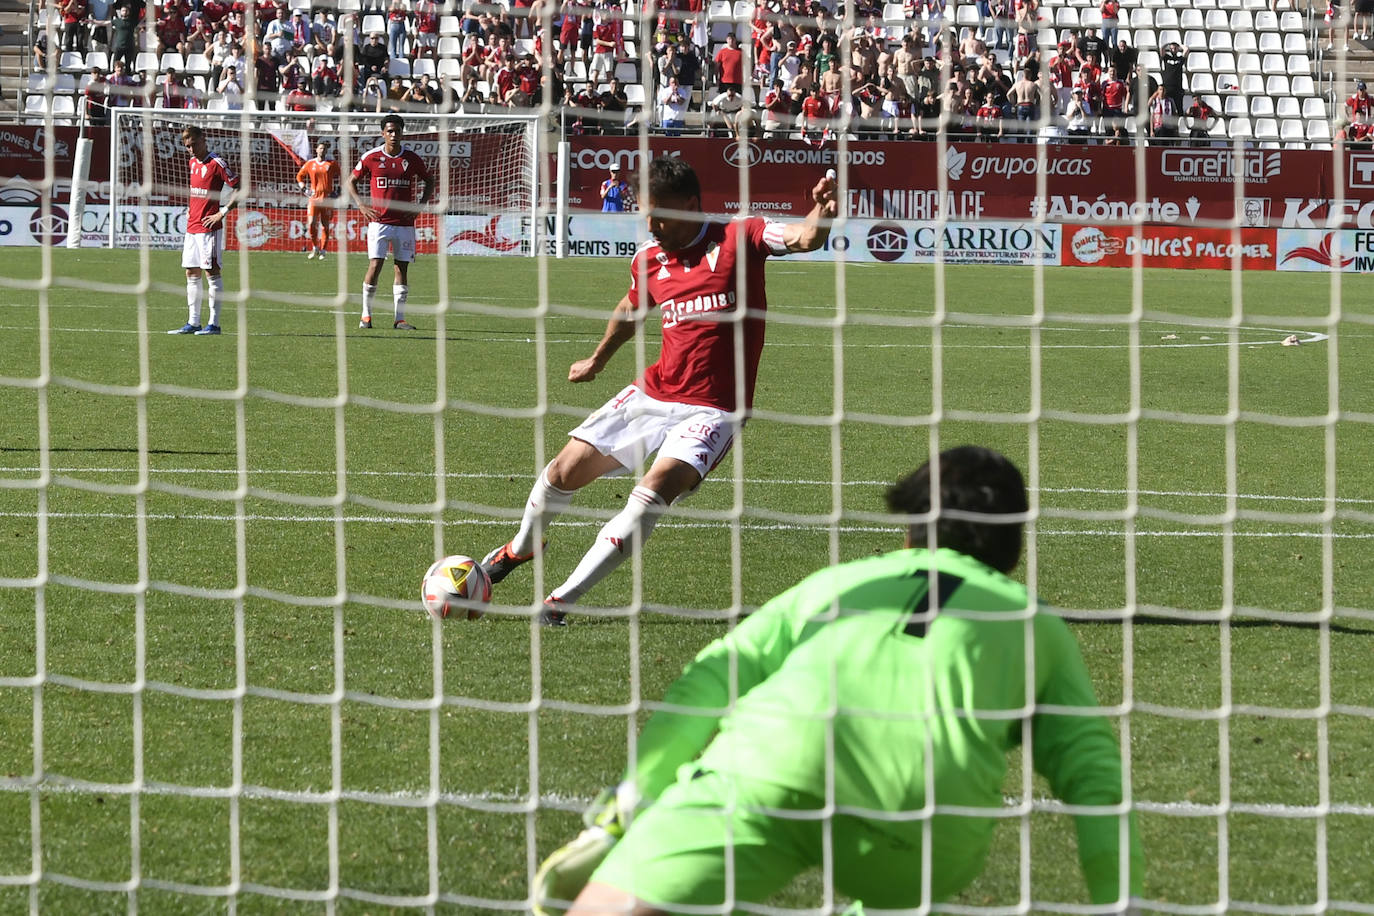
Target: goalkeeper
<point x="901" y="713"/>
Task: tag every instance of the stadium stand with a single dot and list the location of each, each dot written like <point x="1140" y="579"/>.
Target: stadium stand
<point x="1277" y="75"/>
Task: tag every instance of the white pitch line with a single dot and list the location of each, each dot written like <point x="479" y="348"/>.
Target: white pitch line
<point x="713" y="481"/>
<point x="202" y="517"/>
<point x="558" y="801"/>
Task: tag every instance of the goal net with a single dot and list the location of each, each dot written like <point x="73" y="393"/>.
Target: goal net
<point x="218" y="687"/>
<point x="484" y="171"/>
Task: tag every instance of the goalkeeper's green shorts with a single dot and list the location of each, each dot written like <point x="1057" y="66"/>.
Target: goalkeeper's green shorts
<point x="687" y="848"/>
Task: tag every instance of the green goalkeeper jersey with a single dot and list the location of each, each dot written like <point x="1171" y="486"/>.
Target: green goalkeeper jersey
<point x="928" y="668"/>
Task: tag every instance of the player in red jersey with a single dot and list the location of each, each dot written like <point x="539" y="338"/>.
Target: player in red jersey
<point x="687" y="405"/>
<point x="323" y="175"/>
<point x="204" y="245"/>
<point x="392" y="171"/>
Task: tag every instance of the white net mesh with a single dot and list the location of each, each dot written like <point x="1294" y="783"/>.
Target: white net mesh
<point x="213" y="672"/>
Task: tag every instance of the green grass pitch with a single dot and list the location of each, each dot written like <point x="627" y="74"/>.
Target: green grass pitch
<point x="320" y="469"/>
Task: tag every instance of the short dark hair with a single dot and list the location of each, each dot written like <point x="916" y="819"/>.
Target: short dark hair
<point x="193" y="131"/>
<point x="394" y="119"/>
<point x="972" y="479"/>
<point x="670" y="176"/>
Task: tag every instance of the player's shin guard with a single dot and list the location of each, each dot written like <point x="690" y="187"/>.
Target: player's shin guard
<point x="193" y="301"/>
<point x="399" y="295"/>
<point x="617" y="540"/>
<point x="369" y="296"/>
<point x="216" y="284"/>
<point x="546" y="503"/>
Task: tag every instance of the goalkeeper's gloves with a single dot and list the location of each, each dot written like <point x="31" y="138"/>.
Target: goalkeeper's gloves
<point x="563" y="874"/>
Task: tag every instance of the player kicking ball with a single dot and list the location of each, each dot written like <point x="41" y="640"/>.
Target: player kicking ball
<point x="686" y="407"/>
<point x="391" y="171"/>
<point x="203" y="248"/>
<point x="848" y="708"/>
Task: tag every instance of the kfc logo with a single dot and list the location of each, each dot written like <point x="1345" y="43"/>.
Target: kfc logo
<point x="1255" y="211"/>
<point x="1361" y="170"/>
<point x="887" y="241"/>
<point x="1091" y="245"/>
<point x="742" y="155"/>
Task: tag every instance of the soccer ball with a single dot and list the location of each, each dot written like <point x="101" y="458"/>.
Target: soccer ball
<point x="455" y="585"/>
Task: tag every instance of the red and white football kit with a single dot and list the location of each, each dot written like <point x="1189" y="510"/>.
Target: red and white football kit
<point x="208" y="178"/>
<point x="680" y="407"/>
<point x="392" y="181"/>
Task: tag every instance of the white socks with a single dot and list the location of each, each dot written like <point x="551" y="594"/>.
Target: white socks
<point x="216" y="294"/>
<point x="546" y="503"/>
<point x="398" y="296"/>
<point x="369" y="296"/>
<point x="193" y="300"/>
<point x="620" y="537"/>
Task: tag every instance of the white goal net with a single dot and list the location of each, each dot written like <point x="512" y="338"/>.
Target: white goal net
<point x="219" y="690"/>
<point x="484" y="167"/>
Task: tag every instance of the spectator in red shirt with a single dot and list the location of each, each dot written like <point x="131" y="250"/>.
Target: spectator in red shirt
<point x="1109" y="9"/>
<point x="426" y="30"/>
<point x="171" y="31"/>
<point x="988" y="121"/>
<point x="74" y="25"/>
<point x="1116" y="98"/>
<point x="815" y="115"/>
<point x="97" y="99"/>
<point x="729" y="67"/>
<point x="1361" y="130"/>
<point x="1360" y="102"/>
<point x="300" y="99"/>
<point x="324" y="77"/>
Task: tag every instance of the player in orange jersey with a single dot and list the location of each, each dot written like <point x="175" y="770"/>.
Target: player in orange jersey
<point x="323" y="175"/>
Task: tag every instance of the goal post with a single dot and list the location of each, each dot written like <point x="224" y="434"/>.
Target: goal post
<point x="486" y="173"/>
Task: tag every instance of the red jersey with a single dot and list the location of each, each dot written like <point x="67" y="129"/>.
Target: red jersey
<point x="208" y="178"/>
<point x="1360" y="103"/>
<point x="695" y="290"/>
<point x="1114" y="94"/>
<point x="815" y="108"/>
<point x="393" y="183"/>
<point x="731" y="63"/>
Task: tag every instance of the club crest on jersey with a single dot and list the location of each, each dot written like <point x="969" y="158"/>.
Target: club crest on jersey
<point x="712" y="254"/>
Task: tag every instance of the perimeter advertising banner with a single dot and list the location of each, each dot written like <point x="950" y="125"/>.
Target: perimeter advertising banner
<point x="1347" y="250"/>
<point x="1169" y="246"/>
<point x="998" y="181"/>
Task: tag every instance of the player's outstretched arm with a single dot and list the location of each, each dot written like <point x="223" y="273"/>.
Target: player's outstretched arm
<point x="812" y="232"/>
<point x="1079" y="756"/>
<point x="619" y="329"/>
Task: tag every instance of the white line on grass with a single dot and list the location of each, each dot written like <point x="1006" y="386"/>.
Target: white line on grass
<point x="578" y="803"/>
<point x="713" y="481"/>
<point x="1207" y="531"/>
<point x="1307" y="337"/>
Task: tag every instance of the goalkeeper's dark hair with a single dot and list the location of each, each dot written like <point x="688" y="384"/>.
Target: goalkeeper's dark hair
<point x="971" y="479"/>
<point x="672" y="177"/>
<point x="396" y="119"/>
<point x="193" y="131"/>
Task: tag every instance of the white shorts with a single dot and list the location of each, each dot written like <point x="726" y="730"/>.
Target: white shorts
<point x="400" y="240"/>
<point x="631" y="426"/>
<point x="603" y="62"/>
<point x="203" y="250"/>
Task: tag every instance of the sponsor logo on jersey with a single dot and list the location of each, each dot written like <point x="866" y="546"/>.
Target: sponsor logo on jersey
<point x="676" y="311"/>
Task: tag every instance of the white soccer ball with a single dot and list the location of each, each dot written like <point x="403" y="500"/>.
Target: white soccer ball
<point x="455" y="585"/>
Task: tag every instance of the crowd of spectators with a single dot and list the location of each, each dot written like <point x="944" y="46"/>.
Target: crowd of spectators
<point x="783" y="67"/>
